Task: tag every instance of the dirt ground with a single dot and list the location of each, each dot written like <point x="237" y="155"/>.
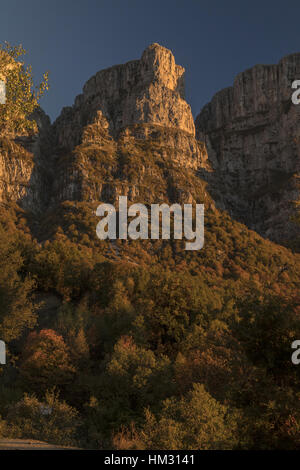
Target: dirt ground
<point x="28" y="444"/>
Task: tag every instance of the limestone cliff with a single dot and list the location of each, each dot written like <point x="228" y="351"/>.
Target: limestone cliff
<point x="251" y="131"/>
<point x="127" y="105"/>
<point x="24" y="167"/>
<point x="145" y="91"/>
<point x="142" y="100"/>
<point x="131" y="133"/>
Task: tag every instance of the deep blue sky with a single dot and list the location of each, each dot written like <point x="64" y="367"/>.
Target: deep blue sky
<point x="213" y="40"/>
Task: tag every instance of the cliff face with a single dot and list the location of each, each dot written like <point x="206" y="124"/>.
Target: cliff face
<point x="124" y="107"/>
<point x="142" y="100"/>
<point x="145" y="91"/>
<point x="25" y="168"/>
<point x="131" y="133"/>
<point x="16" y="167"/>
<point x="251" y="132"/>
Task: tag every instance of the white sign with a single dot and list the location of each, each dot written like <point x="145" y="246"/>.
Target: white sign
<point x="2" y="92"/>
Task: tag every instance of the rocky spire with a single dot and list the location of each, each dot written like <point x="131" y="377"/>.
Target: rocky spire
<point x="145" y="91"/>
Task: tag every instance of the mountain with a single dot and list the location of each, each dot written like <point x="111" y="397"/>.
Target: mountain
<point x="121" y="109"/>
<point x="131" y="133"/>
<point x="140" y="344"/>
<point x="246" y="148"/>
<point x="251" y="132"/>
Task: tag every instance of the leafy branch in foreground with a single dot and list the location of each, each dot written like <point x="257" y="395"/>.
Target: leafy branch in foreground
<point x="22" y="96"/>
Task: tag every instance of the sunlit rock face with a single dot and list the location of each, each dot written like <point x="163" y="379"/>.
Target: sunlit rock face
<point x="25" y="166"/>
<point x="140" y="101"/>
<point x="131" y="131"/>
<point x="145" y="91"/>
<point x="251" y="131"/>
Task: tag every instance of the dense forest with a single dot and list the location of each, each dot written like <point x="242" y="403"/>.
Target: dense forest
<point x="172" y="351"/>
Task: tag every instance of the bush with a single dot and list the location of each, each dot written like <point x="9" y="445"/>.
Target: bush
<point x="50" y="420"/>
<point x="194" y="422"/>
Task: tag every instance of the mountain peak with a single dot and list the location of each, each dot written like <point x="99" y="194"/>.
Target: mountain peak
<point x="148" y="91"/>
<point x="160" y="64"/>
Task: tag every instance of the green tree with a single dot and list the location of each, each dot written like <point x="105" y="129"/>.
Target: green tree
<point x="194" y="422"/>
<point x="22" y="96"/>
<point x="51" y="419"/>
<point x="133" y="380"/>
<point x="46" y="361"/>
<point x="16" y="308"/>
